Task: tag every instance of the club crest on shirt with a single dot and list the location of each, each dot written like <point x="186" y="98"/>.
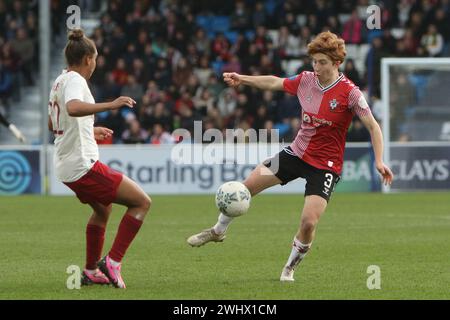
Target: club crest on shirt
<point x="333" y="104"/>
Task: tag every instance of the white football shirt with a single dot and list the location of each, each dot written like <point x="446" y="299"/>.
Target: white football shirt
<point x="76" y="150"/>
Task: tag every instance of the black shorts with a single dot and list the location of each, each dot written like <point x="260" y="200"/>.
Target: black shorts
<point x="286" y="166"/>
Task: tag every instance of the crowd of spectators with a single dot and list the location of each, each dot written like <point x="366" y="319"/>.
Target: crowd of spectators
<point x="18" y="48"/>
<point x="19" y="45"/>
<point x="169" y="56"/>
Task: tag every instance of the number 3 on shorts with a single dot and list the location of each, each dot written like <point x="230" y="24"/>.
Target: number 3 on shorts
<point x="328" y="183"/>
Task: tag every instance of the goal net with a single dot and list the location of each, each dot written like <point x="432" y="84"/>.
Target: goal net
<point x="416" y="122"/>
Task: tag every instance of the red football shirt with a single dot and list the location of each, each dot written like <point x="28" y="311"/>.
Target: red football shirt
<point x="326" y="115"/>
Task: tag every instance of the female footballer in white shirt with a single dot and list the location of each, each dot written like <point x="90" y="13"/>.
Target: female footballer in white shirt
<point x="76" y="160"/>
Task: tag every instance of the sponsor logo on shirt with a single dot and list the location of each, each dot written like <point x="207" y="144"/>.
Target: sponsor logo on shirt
<point x="333" y="104"/>
<point x="315" y="121"/>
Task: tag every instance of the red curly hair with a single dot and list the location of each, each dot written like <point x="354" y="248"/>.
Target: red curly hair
<point x="329" y="44"/>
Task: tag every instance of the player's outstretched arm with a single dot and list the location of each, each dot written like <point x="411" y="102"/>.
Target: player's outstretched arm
<point x="234" y="79"/>
<point x="377" y="143"/>
<point x="78" y="108"/>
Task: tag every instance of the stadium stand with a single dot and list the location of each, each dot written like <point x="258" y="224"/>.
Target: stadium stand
<point x="170" y="54"/>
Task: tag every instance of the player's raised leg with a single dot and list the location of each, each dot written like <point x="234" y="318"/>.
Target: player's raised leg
<point x="312" y="210"/>
<point x="95" y="237"/>
<point x="259" y="179"/>
<point x="138" y="204"/>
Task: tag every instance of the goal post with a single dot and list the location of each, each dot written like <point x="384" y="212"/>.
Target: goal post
<point x="415" y="96"/>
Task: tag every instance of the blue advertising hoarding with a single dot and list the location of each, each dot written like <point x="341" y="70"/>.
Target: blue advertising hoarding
<point x="20" y="172"/>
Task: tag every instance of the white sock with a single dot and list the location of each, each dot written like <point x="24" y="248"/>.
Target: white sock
<point x="298" y="252"/>
<point x="222" y="223"/>
<point x="91" y="272"/>
<point x="114" y="263"/>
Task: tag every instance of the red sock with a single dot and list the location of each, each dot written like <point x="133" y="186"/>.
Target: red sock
<point x="95" y="237"/>
<point x="128" y="228"/>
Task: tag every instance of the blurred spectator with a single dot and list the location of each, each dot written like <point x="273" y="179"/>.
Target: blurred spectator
<point x="24" y="47"/>
<point x="203" y="70"/>
<point x="203" y="102"/>
<point x="251" y="60"/>
<point x="402" y="97"/>
<point x="262" y="39"/>
<point x="162" y="75"/>
<point x="313" y="24"/>
<point x="403" y="7"/>
<point x="261" y="117"/>
<point x="116" y="122"/>
<point x="160" y="136"/>
<point x="373" y="62"/>
<point x="240" y="19"/>
<point x="288" y="44"/>
<point x="294" y="127"/>
<point x="192" y="55"/>
<point x="201" y="42"/>
<point x="10" y="61"/>
<point x="120" y="73"/>
<point x="233" y="65"/>
<point x="134" y="133"/>
<point x="351" y="72"/>
<point x="152" y="92"/>
<point x="291" y="22"/>
<point x="416" y="24"/>
<point x="227" y="102"/>
<point x="442" y="23"/>
<point x="186" y="119"/>
<point x="133" y="89"/>
<point x="411" y="42"/>
<point x="305" y="39"/>
<point x="185" y="100"/>
<point x="220" y="47"/>
<point x="333" y="25"/>
<point x="99" y="75"/>
<point x="139" y="72"/>
<point x="400" y="49"/>
<point x="353" y="29"/>
<point x="235" y="119"/>
<point x="288" y="107"/>
<point x="3" y="16"/>
<point x="268" y="126"/>
<point x="181" y="73"/>
<point x="358" y="132"/>
<point x="432" y="41"/>
<point x="110" y="90"/>
<point x="271" y="102"/>
<point x="5" y="85"/>
<point x="388" y="40"/>
<point x="306" y="65"/>
<point x="214" y="86"/>
<point x="259" y="16"/>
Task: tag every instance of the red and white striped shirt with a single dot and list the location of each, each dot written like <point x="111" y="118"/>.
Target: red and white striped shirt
<point x="326" y="115"/>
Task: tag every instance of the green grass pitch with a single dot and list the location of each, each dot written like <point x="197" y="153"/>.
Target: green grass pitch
<point x="406" y="235"/>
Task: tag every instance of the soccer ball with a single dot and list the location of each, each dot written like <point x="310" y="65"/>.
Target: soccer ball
<point x="233" y="199"/>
